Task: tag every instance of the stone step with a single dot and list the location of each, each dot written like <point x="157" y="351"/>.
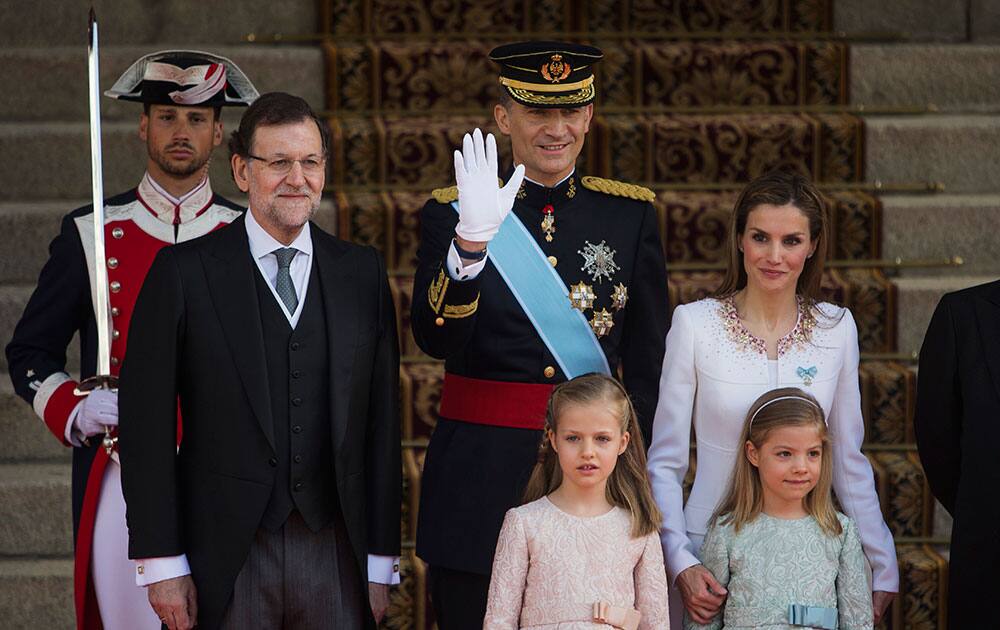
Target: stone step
<point x="914" y="226"/>
<point x="26" y="229"/>
<point x="148" y="22"/>
<point x="35" y="509"/>
<point x="62" y="71"/>
<point x="28" y="439"/>
<point x="916" y="300"/>
<point x="37" y="594"/>
<point x="457" y="74"/>
<point x="416" y="152"/>
<point x="935" y="20"/>
<point x="961" y="151"/>
<point x="949" y="76"/>
<point x="984" y="20"/>
<point x="52" y="161"/>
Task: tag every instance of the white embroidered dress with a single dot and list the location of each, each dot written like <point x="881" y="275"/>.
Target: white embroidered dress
<point x="713" y="370"/>
<point x="551" y="567"/>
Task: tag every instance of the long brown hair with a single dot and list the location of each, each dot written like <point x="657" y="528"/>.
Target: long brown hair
<point x="744" y="500"/>
<point x="779" y="188"/>
<point x="628" y="486"/>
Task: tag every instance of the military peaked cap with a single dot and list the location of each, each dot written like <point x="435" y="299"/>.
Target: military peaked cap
<point x="548" y="74"/>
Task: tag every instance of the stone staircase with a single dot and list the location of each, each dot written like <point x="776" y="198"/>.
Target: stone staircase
<point x="949" y="62"/>
<point x="44" y="137"/>
<point x="381" y="175"/>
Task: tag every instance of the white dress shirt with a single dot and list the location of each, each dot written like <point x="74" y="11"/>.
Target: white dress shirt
<point x="381" y="569"/>
<point x="262" y="246"/>
<point x="710" y="379"/>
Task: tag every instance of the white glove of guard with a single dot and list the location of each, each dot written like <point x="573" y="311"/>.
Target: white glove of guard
<point x="98" y="410"/>
<point x="483" y="205"/>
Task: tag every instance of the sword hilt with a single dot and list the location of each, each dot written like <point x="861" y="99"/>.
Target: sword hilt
<point x="103" y="381"/>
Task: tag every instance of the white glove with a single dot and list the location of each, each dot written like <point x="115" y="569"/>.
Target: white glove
<point x="483" y="205"/>
<point x="98" y="410"/>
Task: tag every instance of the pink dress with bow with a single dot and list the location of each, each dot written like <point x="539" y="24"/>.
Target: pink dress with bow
<point x="556" y="570"/>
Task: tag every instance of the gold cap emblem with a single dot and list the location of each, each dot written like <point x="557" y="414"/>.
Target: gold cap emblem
<point x="556" y="70"/>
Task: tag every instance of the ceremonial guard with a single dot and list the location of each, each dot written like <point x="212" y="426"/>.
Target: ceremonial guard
<point x="182" y="93"/>
<point x="571" y="281"/>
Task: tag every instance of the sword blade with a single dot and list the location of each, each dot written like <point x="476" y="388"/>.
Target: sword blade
<point x="97" y="181"/>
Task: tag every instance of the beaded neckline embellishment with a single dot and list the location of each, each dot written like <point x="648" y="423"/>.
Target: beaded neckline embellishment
<point x="746" y="340"/>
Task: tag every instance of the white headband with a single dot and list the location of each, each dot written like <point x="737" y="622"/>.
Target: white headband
<point x="774" y="400"/>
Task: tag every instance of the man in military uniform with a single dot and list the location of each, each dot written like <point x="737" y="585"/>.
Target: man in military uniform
<point x="182" y="93"/>
<point x="507" y="340"/>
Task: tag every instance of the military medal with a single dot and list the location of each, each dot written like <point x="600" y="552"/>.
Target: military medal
<point x="598" y="261"/>
<point x="619" y="297"/>
<point x="602" y="322"/>
<point x="582" y="296"/>
<point x="549" y="222"/>
<point x="807" y="374"/>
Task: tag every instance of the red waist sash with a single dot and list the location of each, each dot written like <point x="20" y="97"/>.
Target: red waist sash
<point x="495" y="403"/>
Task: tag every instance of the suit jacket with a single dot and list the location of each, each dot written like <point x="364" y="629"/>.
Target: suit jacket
<point x="957" y="425"/>
<point x="197" y="341"/>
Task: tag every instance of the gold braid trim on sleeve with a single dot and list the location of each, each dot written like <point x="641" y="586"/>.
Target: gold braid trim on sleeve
<point x="445" y="195"/>
<point x="458" y="312"/>
<point x="618" y="189"/>
<point x="435" y="293"/>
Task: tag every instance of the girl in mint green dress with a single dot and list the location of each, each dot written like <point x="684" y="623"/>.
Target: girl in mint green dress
<point x="785" y="556"/>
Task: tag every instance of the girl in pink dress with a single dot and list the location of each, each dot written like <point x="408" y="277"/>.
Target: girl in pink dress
<point x="584" y="551"/>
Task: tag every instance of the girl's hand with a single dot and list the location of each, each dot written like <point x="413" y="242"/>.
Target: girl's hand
<point x="702" y="594"/>
<point x="880" y="602"/>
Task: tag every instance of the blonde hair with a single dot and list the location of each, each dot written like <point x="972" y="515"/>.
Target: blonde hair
<point x="628" y="486"/>
<point x="744" y="499"/>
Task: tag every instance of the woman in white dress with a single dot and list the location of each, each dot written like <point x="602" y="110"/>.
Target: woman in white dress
<point x="764" y="328"/>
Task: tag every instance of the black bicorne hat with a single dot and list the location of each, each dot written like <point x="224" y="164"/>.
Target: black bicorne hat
<point x="184" y="77"/>
<point x="548" y="74"/>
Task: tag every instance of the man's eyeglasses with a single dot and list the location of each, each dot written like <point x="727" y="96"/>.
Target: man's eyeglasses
<point x="283" y="166"/>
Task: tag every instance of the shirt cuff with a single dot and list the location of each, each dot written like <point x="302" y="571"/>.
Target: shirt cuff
<point x="151" y="570"/>
<point x="383" y="569"/>
<point x="71" y="433"/>
<point x="457" y="268"/>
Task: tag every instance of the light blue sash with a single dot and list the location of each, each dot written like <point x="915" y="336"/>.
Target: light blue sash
<point x="545" y="299"/>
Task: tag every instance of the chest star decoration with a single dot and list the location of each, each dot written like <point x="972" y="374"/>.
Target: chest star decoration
<point x="619" y="297"/>
<point x="602" y="322"/>
<point x="598" y="261"/>
<point x="581" y="296"/>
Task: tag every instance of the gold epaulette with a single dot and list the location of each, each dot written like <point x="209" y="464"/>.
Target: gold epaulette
<point x="445" y="195"/>
<point x="618" y="189"/>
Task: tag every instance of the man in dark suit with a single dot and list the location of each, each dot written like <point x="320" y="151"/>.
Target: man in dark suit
<point x="957" y="424"/>
<point x="276" y="343"/>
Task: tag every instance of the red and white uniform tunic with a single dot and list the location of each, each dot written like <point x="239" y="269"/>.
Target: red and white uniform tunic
<point x="137" y="225"/>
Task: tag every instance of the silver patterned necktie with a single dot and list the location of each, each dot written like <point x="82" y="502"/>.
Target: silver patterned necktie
<point x="283" y="283"/>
